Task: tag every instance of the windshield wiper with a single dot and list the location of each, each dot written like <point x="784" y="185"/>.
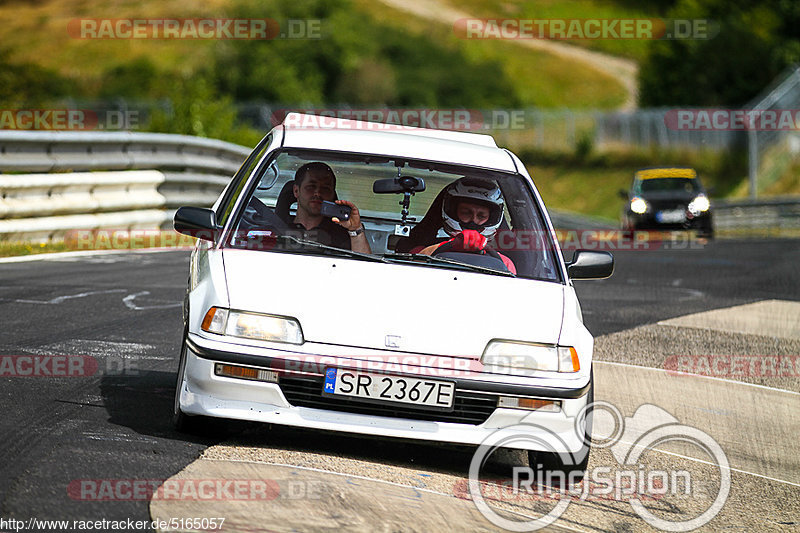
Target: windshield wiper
<point x="423" y="258"/>
<point x="319" y="246"/>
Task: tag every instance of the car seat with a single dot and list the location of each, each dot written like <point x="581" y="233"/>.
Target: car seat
<point x="286" y="200"/>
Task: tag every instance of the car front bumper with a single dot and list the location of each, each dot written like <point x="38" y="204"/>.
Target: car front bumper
<point x="206" y="393"/>
<point x="648" y="221"/>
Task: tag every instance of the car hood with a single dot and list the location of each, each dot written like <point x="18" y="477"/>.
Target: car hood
<point x="373" y="305"/>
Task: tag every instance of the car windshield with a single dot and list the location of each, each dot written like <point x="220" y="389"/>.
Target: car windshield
<point x="688" y="185"/>
<point x="267" y="220"/>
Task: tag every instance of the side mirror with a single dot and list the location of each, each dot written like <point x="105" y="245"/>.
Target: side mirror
<point x="198" y="222"/>
<point x="622" y="193"/>
<point x="587" y="264"/>
<point x="398" y="185"/>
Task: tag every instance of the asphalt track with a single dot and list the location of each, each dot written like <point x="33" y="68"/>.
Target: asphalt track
<point x="123" y="309"/>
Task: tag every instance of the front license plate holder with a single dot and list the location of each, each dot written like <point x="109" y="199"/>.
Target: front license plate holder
<point x="671" y="217"/>
<point x="389" y="389"/>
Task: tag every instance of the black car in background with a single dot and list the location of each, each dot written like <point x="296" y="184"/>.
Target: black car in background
<point x="667" y="199"/>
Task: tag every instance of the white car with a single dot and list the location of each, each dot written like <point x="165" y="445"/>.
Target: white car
<point x="481" y="335"/>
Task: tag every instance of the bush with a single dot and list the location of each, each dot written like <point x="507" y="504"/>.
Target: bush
<point x="360" y="62"/>
<point x="27" y="85"/>
<point x="197" y="109"/>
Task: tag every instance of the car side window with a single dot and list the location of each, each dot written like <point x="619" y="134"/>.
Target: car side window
<point x="240" y="179"/>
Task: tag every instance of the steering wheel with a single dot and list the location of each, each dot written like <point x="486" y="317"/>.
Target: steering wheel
<point x="259" y="216"/>
<point x="447" y="246"/>
<point x="464" y="256"/>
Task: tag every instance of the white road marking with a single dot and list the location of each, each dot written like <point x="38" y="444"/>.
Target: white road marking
<point x="773" y="318"/>
<point x="365" y="478"/>
<point x="60" y="299"/>
<point x="55" y="256"/>
<point x="116" y="437"/>
<point x="99" y="348"/>
<point x="714" y="464"/>
<point x="739" y="447"/>
<point x="128" y="301"/>
<point x="698" y="376"/>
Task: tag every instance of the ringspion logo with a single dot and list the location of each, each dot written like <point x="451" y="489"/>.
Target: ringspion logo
<point x="633" y="479"/>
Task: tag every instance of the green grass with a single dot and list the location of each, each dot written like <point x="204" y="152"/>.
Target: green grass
<point x="590" y="185"/>
<point x="18" y="248"/>
<point x="37" y="33"/>
<point x="540" y="79"/>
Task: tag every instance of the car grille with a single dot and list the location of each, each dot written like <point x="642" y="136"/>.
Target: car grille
<point x="663" y="205"/>
<point x="468" y="408"/>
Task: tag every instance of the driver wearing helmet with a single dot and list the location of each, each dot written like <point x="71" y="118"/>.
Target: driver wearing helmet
<point x="472" y="210"/>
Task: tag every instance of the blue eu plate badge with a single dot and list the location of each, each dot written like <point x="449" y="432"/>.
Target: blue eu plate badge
<point x="330" y="380"/>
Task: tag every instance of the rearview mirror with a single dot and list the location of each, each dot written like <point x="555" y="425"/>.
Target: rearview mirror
<point x="622" y="193"/>
<point x="198" y="222"/>
<point x="399" y="184"/>
<point x="587" y="264"/>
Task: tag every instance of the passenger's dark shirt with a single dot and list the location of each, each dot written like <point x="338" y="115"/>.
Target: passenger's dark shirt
<point x="328" y="233"/>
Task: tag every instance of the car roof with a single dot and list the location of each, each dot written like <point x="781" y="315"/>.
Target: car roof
<point x="665" y="172"/>
<point x="329" y="133"/>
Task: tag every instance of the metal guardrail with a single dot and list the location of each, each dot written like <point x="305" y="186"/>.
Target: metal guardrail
<point x="123" y="180"/>
<point x="35" y="151"/>
<point x="775" y="213"/>
<point x="153" y="174"/>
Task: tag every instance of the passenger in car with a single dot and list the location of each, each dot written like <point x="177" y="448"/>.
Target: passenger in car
<point x="472" y="211"/>
<point x="313" y="183"/>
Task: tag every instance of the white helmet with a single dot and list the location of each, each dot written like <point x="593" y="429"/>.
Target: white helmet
<point x="478" y="191"/>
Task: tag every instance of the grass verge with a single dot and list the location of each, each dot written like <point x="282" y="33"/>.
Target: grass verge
<point x="21" y="248"/>
<point x="590" y="183"/>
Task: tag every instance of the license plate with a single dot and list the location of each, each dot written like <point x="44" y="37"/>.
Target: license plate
<point x="386" y="388"/>
<point x="671" y="216"/>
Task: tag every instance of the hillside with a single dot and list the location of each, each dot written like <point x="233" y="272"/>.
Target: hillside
<point x="35" y="33"/>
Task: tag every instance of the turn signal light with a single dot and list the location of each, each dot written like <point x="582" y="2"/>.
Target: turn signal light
<point x="244" y="372"/>
<point x="533" y="404"/>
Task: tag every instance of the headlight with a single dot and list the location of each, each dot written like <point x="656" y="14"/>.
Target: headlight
<point x="699" y="205"/>
<point x="508" y="355"/>
<point x="638" y="205"/>
<point x="252" y="326"/>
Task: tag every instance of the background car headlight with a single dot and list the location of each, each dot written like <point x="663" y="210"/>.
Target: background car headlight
<point x="252" y="326"/>
<point x="699" y="205"/>
<point x="519" y="355"/>
<point x="638" y="205"/>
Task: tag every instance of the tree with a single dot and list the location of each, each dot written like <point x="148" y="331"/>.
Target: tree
<point x="756" y="41"/>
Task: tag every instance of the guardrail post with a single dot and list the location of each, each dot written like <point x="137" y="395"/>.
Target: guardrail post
<point x="752" y="161"/>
